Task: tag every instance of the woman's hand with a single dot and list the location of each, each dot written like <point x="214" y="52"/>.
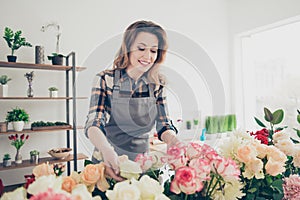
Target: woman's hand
<point x="111" y="173"/>
<point x="169" y="137"/>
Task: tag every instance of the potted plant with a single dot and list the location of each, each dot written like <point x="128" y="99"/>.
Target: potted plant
<point x="53" y="91"/>
<point x="188" y="124"/>
<point x="6" y="160"/>
<point x="4" y="87"/>
<point x="34" y="156"/>
<point x="14" y="42"/>
<point x="18" y="142"/>
<point x="18" y="117"/>
<point x="56" y="58"/>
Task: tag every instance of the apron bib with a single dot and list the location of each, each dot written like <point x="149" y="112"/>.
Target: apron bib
<point x="131" y="120"/>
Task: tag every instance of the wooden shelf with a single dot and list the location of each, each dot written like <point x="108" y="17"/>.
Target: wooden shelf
<point x="38" y="66"/>
<point x="51" y="160"/>
<point x="39" y="98"/>
<point x="31" y="131"/>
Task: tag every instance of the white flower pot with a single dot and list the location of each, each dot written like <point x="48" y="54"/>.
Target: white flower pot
<point x="3" y="90"/>
<point x="53" y="94"/>
<point x="18" y="126"/>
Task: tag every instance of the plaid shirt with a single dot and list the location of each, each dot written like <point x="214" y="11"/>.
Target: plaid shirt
<point x="100" y="103"/>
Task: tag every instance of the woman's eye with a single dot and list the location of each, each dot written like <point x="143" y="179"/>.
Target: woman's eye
<point x="153" y="50"/>
<point x="141" y="48"/>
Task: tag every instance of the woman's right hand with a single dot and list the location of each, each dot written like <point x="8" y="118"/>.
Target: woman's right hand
<point x="110" y="159"/>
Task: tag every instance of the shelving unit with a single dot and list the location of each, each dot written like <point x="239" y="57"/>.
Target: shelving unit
<point x="68" y="99"/>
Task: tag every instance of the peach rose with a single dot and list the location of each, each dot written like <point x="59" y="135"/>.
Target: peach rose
<point x="296" y="157"/>
<point x="68" y="184"/>
<point x="276" y="154"/>
<point x="42" y="170"/>
<point x="186" y="181"/>
<point x="90" y="175"/>
<point x="93" y="174"/>
<point x="261" y="149"/>
<point x="286" y="146"/>
<point x="245" y="153"/>
<point x="274" y="168"/>
<point x="254" y="168"/>
<point x="278" y="136"/>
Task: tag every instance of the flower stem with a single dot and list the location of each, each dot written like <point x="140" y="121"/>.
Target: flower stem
<point x="186" y="197"/>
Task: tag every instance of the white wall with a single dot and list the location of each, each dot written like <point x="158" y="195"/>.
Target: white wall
<point x="86" y="27"/>
<point x="247" y="16"/>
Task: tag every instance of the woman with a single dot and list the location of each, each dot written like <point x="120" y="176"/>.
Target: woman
<point x="129" y="100"/>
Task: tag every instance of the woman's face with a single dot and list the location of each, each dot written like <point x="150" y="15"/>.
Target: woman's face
<point x="143" y="52"/>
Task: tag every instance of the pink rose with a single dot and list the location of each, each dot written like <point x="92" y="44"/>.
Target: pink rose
<point x="226" y="167"/>
<point x="186" y="181"/>
<point x="145" y="161"/>
<point x="176" y="156"/>
<point x="202" y="168"/>
<point x="194" y="150"/>
<point x="291" y="187"/>
<point x="50" y="195"/>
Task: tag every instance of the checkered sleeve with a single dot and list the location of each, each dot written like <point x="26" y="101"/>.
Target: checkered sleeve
<point x="96" y="114"/>
<point x="163" y="121"/>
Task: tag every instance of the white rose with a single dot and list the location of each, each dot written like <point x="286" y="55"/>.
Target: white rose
<point x="17" y="194"/>
<point x="143" y="185"/>
<point x="156" y="157"/>
<point x="128" y="168"/>
<point x="124" y="191"/>
<point x="42" y="184"/>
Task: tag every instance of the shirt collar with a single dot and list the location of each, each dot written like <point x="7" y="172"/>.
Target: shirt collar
<point x="125" y="76"/>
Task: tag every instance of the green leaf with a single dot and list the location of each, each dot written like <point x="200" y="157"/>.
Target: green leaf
<point x="259" y="122"/>
<point x="277" y="184"/>
<point x="252" y="190"/>
<point x="268" y="115"/>
<point x="297" y="131"/>
<point x="277" y="196"/>
<point x="298" y="118"/>
<point x="87" y="162"/>
<point x="277" y="116"/>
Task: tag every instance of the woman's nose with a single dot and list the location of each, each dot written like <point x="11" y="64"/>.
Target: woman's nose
<point x="147" y="54"/>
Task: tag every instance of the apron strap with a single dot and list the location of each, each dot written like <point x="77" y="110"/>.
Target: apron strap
<point x="116" y="86"/>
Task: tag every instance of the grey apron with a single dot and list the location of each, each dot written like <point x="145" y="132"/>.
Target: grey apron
<point x="131" y="120"/>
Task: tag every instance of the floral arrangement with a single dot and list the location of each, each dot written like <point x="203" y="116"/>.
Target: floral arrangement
<point x="17" y="141"/>
<point x="266" y="158"/>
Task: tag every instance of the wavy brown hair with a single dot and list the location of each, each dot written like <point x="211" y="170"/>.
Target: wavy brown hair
<point x="122" y="58"/>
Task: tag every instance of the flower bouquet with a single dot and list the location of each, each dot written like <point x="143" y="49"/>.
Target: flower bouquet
<point x="265" y="157"/>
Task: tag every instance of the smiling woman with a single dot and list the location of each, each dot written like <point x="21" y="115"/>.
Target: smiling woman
<point x="128" y="101"/>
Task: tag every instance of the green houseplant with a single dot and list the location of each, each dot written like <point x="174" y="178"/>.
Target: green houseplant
<point x="56" y="58"/>
<point x="4" y="87"/>
<point x="34" y="156"/>
<point x="14" y="42"/>
<point x="53" y="91"/>
<point x="6" y="160"/>
<point x="18" y="117"/>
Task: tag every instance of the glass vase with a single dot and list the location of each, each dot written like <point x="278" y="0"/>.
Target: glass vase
<point x="30" y="91"/>
<point x="18" y="158"/>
